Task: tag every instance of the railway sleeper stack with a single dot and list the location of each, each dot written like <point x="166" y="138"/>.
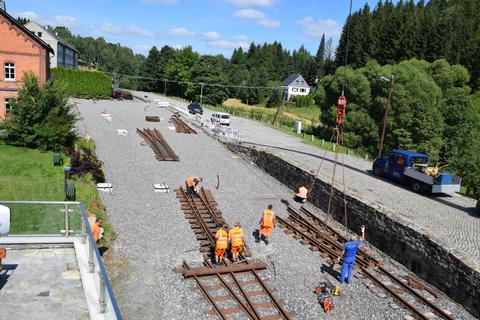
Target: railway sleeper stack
<point x="163" y="151"/>
<point x="409" y="292"/>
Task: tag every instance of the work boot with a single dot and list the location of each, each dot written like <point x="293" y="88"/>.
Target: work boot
<point x="267" y="242"/>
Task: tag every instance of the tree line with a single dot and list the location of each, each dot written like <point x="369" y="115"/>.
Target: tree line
<point x="391" y="33"/>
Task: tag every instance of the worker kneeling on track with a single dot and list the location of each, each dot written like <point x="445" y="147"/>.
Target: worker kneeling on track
<point x="221" y="243"/>
<point x="236" y="237"/>
<point x="266" y="224"/>
<point x="302" y="194"/>
<point x="192" y="185"/>
<point x="349" y="255"/>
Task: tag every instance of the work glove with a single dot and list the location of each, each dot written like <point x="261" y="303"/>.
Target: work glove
<point x="363" y="229"/>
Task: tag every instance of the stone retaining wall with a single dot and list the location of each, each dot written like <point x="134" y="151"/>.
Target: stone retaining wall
<point x="405" y="243"/>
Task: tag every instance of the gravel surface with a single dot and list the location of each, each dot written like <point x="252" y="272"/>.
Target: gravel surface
<point x="153" y="236"/>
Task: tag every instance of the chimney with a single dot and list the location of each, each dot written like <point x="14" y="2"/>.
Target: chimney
<point x="2" y="5"/>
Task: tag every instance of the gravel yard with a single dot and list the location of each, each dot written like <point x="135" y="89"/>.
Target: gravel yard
<point x="153" y="236"/>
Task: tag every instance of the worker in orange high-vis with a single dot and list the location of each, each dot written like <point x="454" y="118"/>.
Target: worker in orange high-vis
<point x="236" y="237"/>
<point x="221" y="243"/>
<point x="192" y="185"/>
<point x="96" y="229"/>
<point x="266" y="224"/>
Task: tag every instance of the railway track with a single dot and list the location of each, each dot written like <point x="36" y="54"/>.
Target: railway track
<point x="231" y="289"/>
<point x="181" y="126"/>
<point x="163" y="151"/>
<point x="312" y="231"/>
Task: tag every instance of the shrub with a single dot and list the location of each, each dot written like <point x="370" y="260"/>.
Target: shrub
<point x="84" y="161"/>
<point x="84" y="84"/>
<point x="41" y="117"/>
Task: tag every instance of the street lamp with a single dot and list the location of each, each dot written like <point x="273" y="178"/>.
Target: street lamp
<point x="389" y="101"/>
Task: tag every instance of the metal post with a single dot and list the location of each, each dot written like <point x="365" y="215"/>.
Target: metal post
<point x="385" y="116"/>
<point x="201" y="93"/>
<point x="67" y="227"/>
<point x="164" y="86"/>
<point x="91" y="248"/>
<point x="84" y="236"/>
<point x="102" y="294"/>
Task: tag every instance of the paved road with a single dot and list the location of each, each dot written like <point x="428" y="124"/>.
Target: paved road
<point x="450" y="219"/>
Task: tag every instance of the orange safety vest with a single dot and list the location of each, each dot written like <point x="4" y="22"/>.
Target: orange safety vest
<point x="191" y="181"/>
<point x="221" y="238"/>
<point x="236" y="236"/>
<point x="268" y="217"/>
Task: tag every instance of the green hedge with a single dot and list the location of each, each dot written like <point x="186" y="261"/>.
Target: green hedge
<point x="84" y="84"/>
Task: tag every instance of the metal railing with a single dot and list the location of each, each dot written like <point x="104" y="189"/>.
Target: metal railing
<point x="107" y="304"/>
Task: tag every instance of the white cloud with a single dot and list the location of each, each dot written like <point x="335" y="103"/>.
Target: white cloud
<point x="258" y="16"/>
<point x="252" y="3"/>
<point x="64" y="21"/>
<point x="315" y="29"/>
<point x="249" y="14"/>
<point x="137" y="31"/>
<point x="211" y="36"/>
<point x="29" y="15"/>
<point x="178" y="47"/>
<point x="269" y="23"/>
<point x="110" y="28"/>
<point x="215" y="40"/>
<point x="159" y="1"/>
<point x="180" y="33"/>
<point x="69" y="22"/>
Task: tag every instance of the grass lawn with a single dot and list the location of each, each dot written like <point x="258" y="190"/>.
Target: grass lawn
<point x="29" y="174"/>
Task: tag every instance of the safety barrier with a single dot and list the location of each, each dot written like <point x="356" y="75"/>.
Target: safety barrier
<point x="71" y="216"/>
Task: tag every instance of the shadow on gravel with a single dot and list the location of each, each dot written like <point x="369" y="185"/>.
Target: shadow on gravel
<point x="329" y="269"/>
<point x="4" y="275"/>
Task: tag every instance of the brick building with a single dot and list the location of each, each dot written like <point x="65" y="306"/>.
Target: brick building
<point x="20" y="51"/>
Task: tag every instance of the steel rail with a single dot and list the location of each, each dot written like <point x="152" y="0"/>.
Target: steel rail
<point x="411" y="291"/>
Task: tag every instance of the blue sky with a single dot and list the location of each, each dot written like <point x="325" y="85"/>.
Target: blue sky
<point x="210" y="26"/>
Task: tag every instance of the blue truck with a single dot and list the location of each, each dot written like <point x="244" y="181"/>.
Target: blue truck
<point x="413" y="168"/>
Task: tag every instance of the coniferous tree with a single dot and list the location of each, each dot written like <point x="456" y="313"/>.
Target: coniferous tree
<point x="320" y="59"/>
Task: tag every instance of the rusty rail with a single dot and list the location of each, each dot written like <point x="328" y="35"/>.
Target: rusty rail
<point x="163" y="151"/>
<point x="329" y="242"/>
<point x="181" y="126"/>
<point x="204" y="217"/>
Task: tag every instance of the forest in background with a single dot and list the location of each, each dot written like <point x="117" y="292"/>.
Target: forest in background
<point x="432" y="48"/>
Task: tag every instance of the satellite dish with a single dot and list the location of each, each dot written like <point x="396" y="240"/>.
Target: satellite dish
<point x="4" y="220"/>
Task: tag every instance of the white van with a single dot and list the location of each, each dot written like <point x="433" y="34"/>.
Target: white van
<point x="221" y="118"/>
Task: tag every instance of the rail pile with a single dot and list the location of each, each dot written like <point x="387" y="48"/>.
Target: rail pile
<point x="233" y="290"/>
<point x="181" y="126"/>
<point x="163" y="152"/>
<point x="312" y="231"/>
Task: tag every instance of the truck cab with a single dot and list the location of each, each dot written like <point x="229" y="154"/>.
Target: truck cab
<point x="413" y="168"/>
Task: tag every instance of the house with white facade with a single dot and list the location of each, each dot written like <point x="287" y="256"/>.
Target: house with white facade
<point x="295" y="85"/>
<point x="65" y="54"/>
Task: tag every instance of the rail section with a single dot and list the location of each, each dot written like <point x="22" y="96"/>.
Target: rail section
<point x="181" y="126"/>
<point x="163" y="151"/>
<point x="312" y="231"/>
<point x="243" y="290"/>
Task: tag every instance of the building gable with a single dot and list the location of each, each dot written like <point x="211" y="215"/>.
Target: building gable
<point x="295" y="80"/>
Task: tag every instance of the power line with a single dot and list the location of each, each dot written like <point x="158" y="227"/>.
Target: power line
<point x="190" y="82"/>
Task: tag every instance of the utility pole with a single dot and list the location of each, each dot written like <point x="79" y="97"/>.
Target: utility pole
<point x="201" y="93"/>
<point x="385" y="116"/>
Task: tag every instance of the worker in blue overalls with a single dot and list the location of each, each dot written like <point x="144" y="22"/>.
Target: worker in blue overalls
<point x="349" y="253"/>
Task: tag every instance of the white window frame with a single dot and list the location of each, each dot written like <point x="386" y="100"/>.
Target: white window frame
<point x="294" y="89"/>
<point x="5" y="103"/>
<point x="303" y="90"/>
<point x="11" y="67"/>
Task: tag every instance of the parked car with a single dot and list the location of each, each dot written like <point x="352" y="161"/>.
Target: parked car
<point x="221" y="118"/>
<point x="195" y="108"/>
